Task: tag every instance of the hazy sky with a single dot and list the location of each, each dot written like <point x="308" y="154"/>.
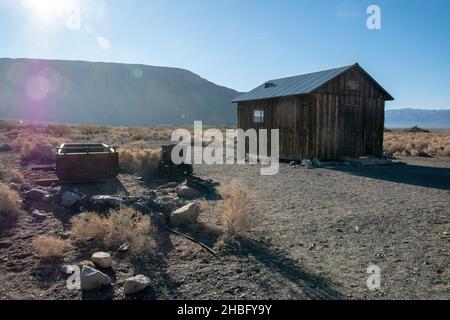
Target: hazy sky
<point x="242" y="43"/>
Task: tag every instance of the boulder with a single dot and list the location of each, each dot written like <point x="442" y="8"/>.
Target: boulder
<point x="102" y="259"/>
<point x="293" y="163"/>
<point x="187" y="214"/>
<point x="5" y="147"/>
<point x="136" y="284"/>
<point x="92" y="279"/>
<point x="184" y="190"/>
<point x="69" y="199"/>
<point x="107" y="201"/>
<point x="35" y="194"/>
<point x="167" y="203"/>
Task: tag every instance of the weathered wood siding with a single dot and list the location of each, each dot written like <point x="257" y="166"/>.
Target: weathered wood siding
<point x="344" y="118"/>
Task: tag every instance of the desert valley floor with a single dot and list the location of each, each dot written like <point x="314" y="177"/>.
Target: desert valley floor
<point x="313" y="234"/>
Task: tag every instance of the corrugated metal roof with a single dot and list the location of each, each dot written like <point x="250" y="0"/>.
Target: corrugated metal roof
<point x="289" y="86"/>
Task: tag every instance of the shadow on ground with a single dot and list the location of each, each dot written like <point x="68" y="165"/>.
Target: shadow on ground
<point x="312" y="286"/>
<point x="430" y="177"/>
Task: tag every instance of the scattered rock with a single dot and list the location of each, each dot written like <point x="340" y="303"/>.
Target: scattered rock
<point x="307" y="163"/>
<point x="107" y="201"/>
<point x="38" y="214"/>
<point x="69" y="199"/>
<point x="136" y="284"/>
<point x="5" y="147"/>
<point x="14" y="186"/>
<point x="293" y="163"/>
<point x="184" y="190"/>
<point x="124" y="247"/>
<point x="67" y="269"/>
<point x="47" y="198"/>
<point x="167" y="203"/>
<point x="35" y="194"/>
<point x="102" y="259"/>
<point x="86" y="263"/>
<point x="187" y="214"/>
<point x="93" y="279"/>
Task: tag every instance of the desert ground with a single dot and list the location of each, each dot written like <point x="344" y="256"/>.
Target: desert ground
<point x="300" y="234"/>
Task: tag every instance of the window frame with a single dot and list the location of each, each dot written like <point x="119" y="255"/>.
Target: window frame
<point x="258" y="118"/>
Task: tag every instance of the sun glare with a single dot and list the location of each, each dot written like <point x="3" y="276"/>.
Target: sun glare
<point x="48" y="10"/>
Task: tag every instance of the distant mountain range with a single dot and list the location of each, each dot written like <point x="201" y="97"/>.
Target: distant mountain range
<point x="110" y="94"/>
<point x="134" y="95"/>
<point x="402" y="118"/>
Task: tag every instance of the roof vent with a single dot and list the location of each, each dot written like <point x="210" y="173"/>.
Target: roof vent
<point x="269" y="85"/>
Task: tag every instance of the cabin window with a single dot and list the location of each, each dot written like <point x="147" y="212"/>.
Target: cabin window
<point x="258" y="116"/>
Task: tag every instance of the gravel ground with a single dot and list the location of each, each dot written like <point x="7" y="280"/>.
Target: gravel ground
<point x="314" y="232"/>
<point x="338" y="221"/>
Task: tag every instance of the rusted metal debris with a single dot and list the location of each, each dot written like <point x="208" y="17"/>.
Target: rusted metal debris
<point x="85" y="162"/>
<point x="210" y="250"/>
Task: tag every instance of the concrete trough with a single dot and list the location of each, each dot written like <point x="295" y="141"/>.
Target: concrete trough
<point x="86" y="162"/>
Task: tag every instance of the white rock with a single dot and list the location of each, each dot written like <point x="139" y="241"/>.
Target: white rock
<point x="136" y="284"/>
<point x="187" y="214"/>
<point x="68" y="199"/>
<point x="105" y="200"/>
<point x="93" y="279"/>
<point x="102" y="259"/>
<point x="67" y="269"/>
<point x="185" y="191"/>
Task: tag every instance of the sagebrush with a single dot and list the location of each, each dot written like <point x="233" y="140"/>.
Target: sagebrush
<point x="234" y="209"/>
<point x="120" y="226"/>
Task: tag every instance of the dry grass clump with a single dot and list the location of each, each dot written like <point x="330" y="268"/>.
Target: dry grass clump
<point x="59" y="130"/>
<point x="433" y="143"/>
<point x="50" y="247"/>
<point x="39" y="148"/>
<point x="234" y="208"/>
<point x="118" y="227"/>
<point x="92" y="129"/>
<point x="12" y="175"/>
<point x="9" y="201"/>
<point x="138" y="158"/>
<point x="138" y="133"/>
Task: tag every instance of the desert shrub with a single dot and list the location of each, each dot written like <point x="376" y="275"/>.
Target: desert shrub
<point x="12" y="175"/>
<point x="234" y="208"/>
<point x="415" y="129"/>
<point x="136" y="159"/>
<point x="59" y="130"/>
<point x="92" y="129"/>
<point x="119" y="226"/>
<point x="9" y="201"/>
<point x="38" y="148"/>
<point x="433" y="143"/>
<point x="50" y="247"/>
<point x="138" y="133"/>
<point x="89" y="225"/>
<point x="4" y="125"/>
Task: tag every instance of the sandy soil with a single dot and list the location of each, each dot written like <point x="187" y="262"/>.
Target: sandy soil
<point x="314" y="233"/>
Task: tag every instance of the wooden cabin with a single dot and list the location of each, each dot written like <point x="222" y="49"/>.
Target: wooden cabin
<point x="327" y="115"/>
